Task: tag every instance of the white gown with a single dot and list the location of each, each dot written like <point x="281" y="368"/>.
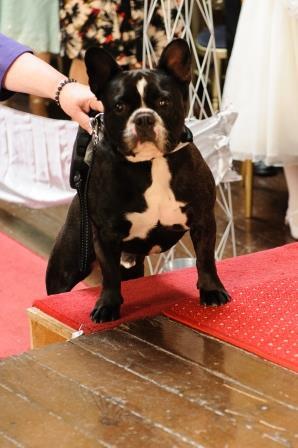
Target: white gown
<point x="262" y="83"/>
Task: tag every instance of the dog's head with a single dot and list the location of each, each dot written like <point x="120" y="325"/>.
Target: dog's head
<point x="144" y="109"/>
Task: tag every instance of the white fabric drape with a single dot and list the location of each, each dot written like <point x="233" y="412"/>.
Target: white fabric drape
<point x="262" y="84"/>
<point x="35" y="155"/>
<point x="292" y="6"/>
<point x="212" y="137"/>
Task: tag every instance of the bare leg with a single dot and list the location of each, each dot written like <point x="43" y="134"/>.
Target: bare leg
<point x="291" y="174"/>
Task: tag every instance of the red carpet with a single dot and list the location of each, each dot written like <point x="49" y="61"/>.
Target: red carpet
<point x="21" y="280"/>
<point x="262" y="317"/>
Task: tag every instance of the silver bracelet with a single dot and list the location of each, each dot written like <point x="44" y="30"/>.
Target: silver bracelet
<point x="60" y="87"/>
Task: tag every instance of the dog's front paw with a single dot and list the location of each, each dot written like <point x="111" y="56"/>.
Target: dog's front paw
<point x="105" y="313"/>
<point x="107" y="308"/>
<point x="214" y="297"/>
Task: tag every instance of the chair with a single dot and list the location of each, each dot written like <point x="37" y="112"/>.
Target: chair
<point x="182" y="23"/>
<point x="221" y="54"/>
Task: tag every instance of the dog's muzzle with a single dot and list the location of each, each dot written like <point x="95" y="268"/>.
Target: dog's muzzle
<point x="145" y="135"/>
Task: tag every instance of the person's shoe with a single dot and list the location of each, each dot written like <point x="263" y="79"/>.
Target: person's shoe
<point x="292" y="221"/>
<point x="261" y="169"/>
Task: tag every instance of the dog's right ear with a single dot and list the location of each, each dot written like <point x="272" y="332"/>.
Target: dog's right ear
<point x="101" y="67"/>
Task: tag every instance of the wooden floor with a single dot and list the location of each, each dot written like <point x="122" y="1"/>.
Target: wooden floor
<point x="152" y="383"/>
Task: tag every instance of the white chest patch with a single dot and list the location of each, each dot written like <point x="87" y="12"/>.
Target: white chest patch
<point x="162" y="204"/>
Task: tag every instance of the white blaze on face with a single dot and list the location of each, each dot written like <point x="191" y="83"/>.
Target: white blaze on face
<point x="162" y="205"/>
<point x="145" y="150"/>
<point x="141" y="84"/>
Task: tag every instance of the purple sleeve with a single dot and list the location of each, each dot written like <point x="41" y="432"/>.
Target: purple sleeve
<point x="9" y="51"/>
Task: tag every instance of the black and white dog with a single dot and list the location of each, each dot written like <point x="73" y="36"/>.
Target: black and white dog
<point x="146" y="189"/>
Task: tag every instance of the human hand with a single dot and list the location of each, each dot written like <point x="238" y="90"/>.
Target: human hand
<point x="77" y="100"/>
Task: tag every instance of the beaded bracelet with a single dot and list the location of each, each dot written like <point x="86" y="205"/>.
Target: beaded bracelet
<point x="60" y="87"/>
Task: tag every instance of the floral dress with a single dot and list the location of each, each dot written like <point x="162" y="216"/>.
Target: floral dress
<point x="115" y="25"/>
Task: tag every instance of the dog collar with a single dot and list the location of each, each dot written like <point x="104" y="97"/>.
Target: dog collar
<point x="179" y="146"/>
<point x="97" y="126"/>
<point x="186" y="138"/>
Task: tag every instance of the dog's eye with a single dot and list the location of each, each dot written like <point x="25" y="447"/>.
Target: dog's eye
<point x="119" y="107"/>
<point x="163" y="102"/>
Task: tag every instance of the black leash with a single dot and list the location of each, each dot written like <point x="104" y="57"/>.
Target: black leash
<point x="81" y="166"/>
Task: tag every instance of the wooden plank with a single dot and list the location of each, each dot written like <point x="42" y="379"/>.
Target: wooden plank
<point x="25" y="423"/>
<point x="227" y="397"/>
<point x="7" y="442"/>
<point x="35" y="228"/>
<point x="176" y="395"/>
<point x="45" y="330"/>
<point x="46" y="220"/>
<point x="80" y="400"/>
<point x="222" y="359"/>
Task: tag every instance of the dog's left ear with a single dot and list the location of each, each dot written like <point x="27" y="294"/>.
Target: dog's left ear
<point x="176" y="60"/>
<point x="101" y="67"/>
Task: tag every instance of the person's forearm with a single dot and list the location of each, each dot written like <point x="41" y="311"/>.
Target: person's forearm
<point x="29" y="74"/>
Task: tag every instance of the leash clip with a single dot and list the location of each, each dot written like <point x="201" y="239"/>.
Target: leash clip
<point x="97" y="126"/>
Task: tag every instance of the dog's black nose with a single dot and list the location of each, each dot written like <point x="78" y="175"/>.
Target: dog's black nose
<point x="144" y="120"/>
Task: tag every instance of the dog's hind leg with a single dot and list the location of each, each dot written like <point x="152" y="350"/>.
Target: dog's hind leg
<point x="63" y="271"/>
<point x="132" y="270"/>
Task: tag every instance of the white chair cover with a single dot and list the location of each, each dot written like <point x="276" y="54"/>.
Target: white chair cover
<point x="35" y="154"/>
